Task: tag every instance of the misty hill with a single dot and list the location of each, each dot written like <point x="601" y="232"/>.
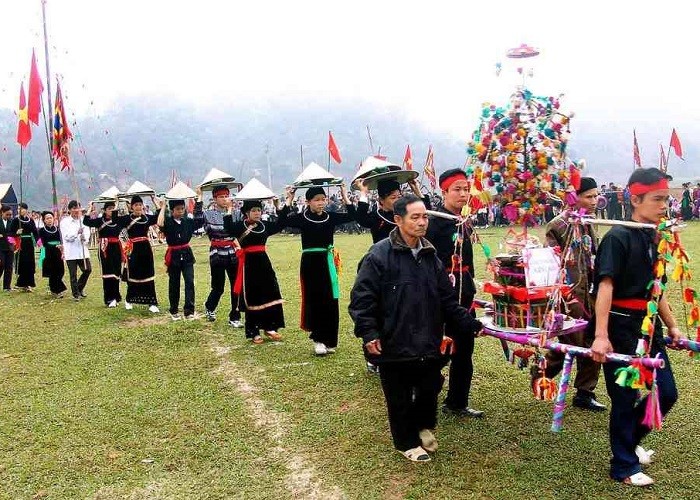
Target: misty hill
<point x="145" y="139"/>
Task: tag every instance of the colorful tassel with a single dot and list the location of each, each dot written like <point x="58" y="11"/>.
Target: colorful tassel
<point x="653" y="418"/>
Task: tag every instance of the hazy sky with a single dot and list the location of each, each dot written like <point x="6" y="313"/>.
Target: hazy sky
<point x="435" y="60"/>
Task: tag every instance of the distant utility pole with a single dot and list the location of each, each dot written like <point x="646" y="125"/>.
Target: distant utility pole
<point x="269" y="171"/>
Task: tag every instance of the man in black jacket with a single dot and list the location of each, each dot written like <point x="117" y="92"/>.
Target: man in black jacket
<point x="401" y="299"/>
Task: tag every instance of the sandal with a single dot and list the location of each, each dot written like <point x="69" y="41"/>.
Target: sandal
<point x="417" y="454"/>
<point x="273" y="335"/>
<point x="258" y="339"/>
<point x="638" y="479"/>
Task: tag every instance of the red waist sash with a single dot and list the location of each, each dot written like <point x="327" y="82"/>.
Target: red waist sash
<point x="171" y="249"/>
<point x="634" y="304"/>
<point x="238" y="285"/>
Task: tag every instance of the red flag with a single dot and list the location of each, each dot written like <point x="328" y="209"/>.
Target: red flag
<point x="637" y="158"/>
<point x="36" y="88"/>
<point x="676" y="144"/>
<point x="663" y="161"/>
<point x="333" y="149"/>
<point x="61" y="133"/>
<point x="408" y="159"/>
<point x="24" y="130"/>
<point x="429" y="168"/>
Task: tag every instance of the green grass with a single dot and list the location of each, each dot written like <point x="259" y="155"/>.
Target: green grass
<point x="87" y="394"/>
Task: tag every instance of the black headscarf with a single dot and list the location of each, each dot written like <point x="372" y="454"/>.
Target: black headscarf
<point x="587" y="183"/>
<point x="385" y="188"/>
<point x="248" y="205"/>
<point x="175" y="203"/>
<point x="311" y="192"/>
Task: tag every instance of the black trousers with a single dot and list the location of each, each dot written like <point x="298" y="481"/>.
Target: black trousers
<point x="110" y="288"/>
<point x="187" y="273"/>
<point x="411" y="390"/>
<point x="461" y="366"/>
<point x="218" y="280"/>
<point x="77" y="285"/>
<point x="7" y="257"/>
<point x="627" y="412"/>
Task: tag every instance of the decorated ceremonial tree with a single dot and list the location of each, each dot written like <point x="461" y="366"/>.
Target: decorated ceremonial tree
<point x="518" y="153"/>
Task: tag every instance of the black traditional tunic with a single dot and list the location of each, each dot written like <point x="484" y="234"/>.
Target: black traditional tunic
<point x="140" y="269"/>
<point x="259" y="295"/>
<point x="627" y="257"/>
<point x="26" y="265"/>
<point x="454" y="248"/>
<point x="319" y="283"/>
<point x="52" y="266"/>
<point x="111" y="255"/>
<point x="179" y="259"/>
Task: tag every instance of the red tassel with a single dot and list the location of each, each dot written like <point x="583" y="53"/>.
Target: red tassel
<point x="652" y="416"/>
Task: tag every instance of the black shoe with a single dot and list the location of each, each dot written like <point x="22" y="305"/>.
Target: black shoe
<point x="83" y="294"/>
<point x="589" y="403"/>
<point x="462" y="412"/>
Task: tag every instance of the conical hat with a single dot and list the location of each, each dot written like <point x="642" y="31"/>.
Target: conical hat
<point x="315" y="175"/>
<point x="216" y="177"/>
<point x="373" y="165"/>
<point x="110" y="195"/>
<point x="139" y="188"/>
<point x="400" y="176"/>
<point x="255" y="190"/>
<point x="180" y="191"/>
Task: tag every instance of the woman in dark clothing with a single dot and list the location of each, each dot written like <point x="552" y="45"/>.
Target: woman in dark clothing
<point x="256" y="285"/>
<point x="51" y="258"/>
<point x="319" y="260"/>
<point x="687" y="203"/>
<point x="140" y="269"/>
<point x="24" y="229"/>
<point x="380" y="221"/>
<point x="111" y="253"/>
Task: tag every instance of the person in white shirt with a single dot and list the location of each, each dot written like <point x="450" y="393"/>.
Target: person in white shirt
<point x="75" y="250"/>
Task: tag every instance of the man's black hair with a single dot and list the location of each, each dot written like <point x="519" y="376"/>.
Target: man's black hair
<point x="401" y="205"/>
<point x="73" y="204"/>
<point x="5" y="208"/>
<point x="647" y="176"/>
<point x="24" y="206"/>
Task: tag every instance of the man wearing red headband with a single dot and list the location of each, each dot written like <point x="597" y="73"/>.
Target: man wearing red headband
<point x="222" y="257"/>
<point x="454" y="248"/>
<point x="623" y="270"/>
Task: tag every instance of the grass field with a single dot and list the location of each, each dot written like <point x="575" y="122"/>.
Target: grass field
<point x="101" y="403"/>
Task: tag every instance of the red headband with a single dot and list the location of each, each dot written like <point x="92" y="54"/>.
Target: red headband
<point x="638" y="189"/>
<point x="221" y="191"/>
<point x="448" y="181"/>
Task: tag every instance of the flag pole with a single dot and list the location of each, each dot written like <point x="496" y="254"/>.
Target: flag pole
<point x="301" y="156"/>
<point x="329" y="152"/>
<point x="371" y="144"/>
<point x="48" y="90"/>
<point x="21" y="189"/>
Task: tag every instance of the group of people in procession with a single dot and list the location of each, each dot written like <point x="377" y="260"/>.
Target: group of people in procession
<point x="412" y="300"/>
